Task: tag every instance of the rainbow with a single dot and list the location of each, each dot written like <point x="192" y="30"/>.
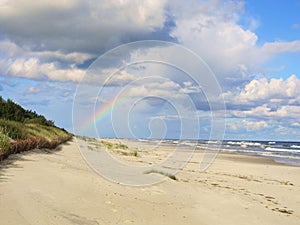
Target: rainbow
<point x="102" y="112"/>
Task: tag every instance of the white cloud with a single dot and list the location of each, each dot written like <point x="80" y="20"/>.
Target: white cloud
<point x="121" y="78"/>
<point x="264" y="111"/>
<point x="69" y="74"/>
<point x="47" y="40"/>
<point x="33" y="90"/>
<point x="189" y="88"/>
<point x="296" y="124"/>
<point x="214" y="34"/>
<point x="267" y="91"/>
<point x="279" y="47"/>
<point x="69" y="30"/>
<point x="22" y="62"/>
<point x="249" y="125"/>
<point x="212" y="30"/>
<point x="10" y="49"/>
<point x="264" y="104"/>
<point x="34" y="69"/>
<point x="166" y="90"/>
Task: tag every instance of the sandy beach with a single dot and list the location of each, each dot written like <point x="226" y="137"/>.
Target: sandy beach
<point x="58" y="187"/>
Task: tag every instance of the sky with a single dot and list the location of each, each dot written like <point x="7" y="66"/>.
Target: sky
<point x="173" y="69"/>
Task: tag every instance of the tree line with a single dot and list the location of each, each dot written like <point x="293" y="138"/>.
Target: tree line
<point x="9" y="110"/>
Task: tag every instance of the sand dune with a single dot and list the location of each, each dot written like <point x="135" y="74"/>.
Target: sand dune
<point x="41" y="187"/>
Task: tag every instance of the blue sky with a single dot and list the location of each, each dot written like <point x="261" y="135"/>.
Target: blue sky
<point x="252" y="48"/>
<point x="277" y="20"/>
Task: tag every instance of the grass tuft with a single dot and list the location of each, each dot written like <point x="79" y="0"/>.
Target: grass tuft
<point x="119" y="148"/>
<point x="110" y="145"/>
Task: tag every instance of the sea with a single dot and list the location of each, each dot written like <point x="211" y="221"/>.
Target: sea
<point x="280" y="151"/>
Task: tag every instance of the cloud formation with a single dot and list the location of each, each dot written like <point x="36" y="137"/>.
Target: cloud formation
<point x="63" y="35"/>
<point x="272" y="91"/>
<point x="249" y="125"/>
<point x="279" y="47"/>
<point x="33" y="68"/>
<point x="57" y="41"/>
<point x="265" y="104"/>
<point x="78" y="25"/>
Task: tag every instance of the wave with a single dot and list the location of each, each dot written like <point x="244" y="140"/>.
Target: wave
<point x="245" y="144"/>
<point x="282" y="150"/>
<point x="295" y="146"/>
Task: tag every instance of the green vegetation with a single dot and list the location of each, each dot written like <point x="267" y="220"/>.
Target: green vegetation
<point x="13" y="112"/>
<point x="110" y="145"/>
<point x="171" y="176"/>
<point x="119" y="148"/>
<point x="86" y="138"/>
<point x="4" y="140"/>
<point x="134" y="153"/>
<point x="22" y="130"/>
<point x="15" y="130"/>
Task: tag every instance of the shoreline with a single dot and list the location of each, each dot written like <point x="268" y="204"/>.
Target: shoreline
<point x="58" y="187"/>
<point x="199" y="148"/>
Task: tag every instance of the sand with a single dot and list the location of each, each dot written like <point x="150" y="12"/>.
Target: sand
<point x="58" y="187"/>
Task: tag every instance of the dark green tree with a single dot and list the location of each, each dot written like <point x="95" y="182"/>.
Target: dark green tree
<point x="9" y="110"/>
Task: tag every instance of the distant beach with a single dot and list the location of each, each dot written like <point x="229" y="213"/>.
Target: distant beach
<point x="281" y="151"/>
<point x="58" y="187"/>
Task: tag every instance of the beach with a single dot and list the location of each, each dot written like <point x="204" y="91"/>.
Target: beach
<point x="59" y="187"/>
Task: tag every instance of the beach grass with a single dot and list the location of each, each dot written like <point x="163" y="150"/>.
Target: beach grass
<point x="111" y="145"/>
<point x="4" y="140"/>
<point x="18" y="137"/>
<point x="20" y="131"/>
<point x="119" y="148"/>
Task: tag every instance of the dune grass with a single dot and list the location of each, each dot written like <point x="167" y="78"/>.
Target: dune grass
<point x="110" y="145"/>
<point x="14" y="130"/>
<point x="21" y="131"/>
<point x="18" y="137"/>
<point x="4" y="140"/>
<point x="49" y="133"/>
<point x="119" y="148"/>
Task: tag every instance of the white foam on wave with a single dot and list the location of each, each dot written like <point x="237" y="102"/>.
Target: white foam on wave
<point x="282" y="150"/>
<point x="295" y="146"/>
<point x="244" y="144"/>
<point x="214" y="142"/>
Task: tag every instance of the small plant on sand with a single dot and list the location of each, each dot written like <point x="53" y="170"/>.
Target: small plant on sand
<point x="121" y="146"/>
<point x="135" y="153"/>
<point x="171" y="176"/>
<point x="107" y="144"/>
<point x="4" y="140"/>
<point x="110" y="145"/>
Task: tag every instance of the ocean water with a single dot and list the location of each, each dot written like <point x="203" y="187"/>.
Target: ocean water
<point x="280" y="151"/>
